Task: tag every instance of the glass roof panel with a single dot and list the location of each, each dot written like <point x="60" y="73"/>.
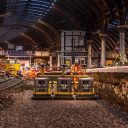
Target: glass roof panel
<point x="24" y="12"/>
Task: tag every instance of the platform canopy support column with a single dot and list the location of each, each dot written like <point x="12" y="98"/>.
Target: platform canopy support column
<point x="89" y="53"/>
<point x="122" y="42"/>
<point x="103" y="49"/>
<point x="58" y="59"/>
<point x="50" y="61"/>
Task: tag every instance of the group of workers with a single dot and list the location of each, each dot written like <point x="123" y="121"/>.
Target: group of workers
<point x="29" y="73"/>
<point x="75" y="69"/>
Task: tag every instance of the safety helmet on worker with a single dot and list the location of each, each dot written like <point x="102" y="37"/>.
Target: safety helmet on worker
<point x="76" y="61"/>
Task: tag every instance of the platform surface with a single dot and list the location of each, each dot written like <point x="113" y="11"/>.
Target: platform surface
<point x="116" y="69"/>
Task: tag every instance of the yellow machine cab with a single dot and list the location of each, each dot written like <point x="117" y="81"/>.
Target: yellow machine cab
<point x="13" y="67"/>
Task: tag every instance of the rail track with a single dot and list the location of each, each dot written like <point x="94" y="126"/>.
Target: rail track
<point x="7" y="86"/>
<point x="9" y="83"/>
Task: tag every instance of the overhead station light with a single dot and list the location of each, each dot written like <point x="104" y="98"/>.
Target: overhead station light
<point x="19" y="48"/>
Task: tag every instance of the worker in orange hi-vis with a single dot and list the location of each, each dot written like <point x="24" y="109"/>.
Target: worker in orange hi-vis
<point x="76" y="69"/>
<point x="26" y="73"/>
<point x="32" y="73"/>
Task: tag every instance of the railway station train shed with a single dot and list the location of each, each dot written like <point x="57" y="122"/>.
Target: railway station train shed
<point x="71" y="50"/>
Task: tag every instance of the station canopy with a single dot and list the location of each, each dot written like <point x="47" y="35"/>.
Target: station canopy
<point x="37" y="23"/>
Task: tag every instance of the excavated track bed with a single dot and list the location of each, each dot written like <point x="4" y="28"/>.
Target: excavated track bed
<point x="27" y="113"/>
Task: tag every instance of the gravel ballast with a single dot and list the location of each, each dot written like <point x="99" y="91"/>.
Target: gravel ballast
<point x="27" y="113"/>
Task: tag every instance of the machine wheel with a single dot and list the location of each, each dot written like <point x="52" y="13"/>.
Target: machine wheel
<point x="96" y="96"/>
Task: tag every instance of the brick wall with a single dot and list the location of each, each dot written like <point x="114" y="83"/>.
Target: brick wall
<point x="112" y="87"/>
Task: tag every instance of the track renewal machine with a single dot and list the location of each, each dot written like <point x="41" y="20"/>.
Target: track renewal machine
<point x="12" y="67"/>
<point x="61" y="85"/>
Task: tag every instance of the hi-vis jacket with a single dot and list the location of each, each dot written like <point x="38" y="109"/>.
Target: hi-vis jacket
<point x="76" y="68"/>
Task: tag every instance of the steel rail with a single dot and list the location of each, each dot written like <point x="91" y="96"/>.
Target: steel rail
<point x="8" y="85"/>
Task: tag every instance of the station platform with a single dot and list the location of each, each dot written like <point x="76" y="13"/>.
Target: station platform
<point x="116" y="69"/>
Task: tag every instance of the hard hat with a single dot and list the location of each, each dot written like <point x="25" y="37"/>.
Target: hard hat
<point x="76" y="61"/>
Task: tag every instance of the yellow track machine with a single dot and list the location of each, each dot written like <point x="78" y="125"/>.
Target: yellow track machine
<point x="57" y="85"/>
<point x="13" y="67"/>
